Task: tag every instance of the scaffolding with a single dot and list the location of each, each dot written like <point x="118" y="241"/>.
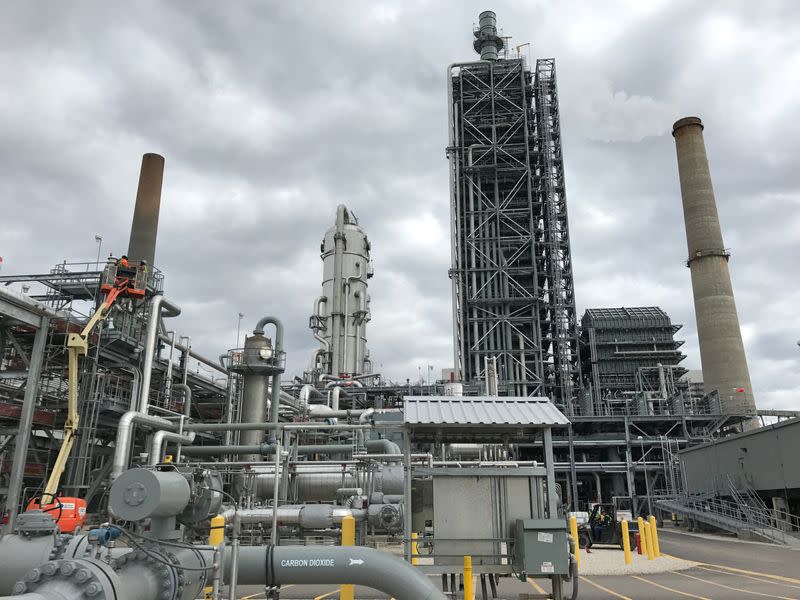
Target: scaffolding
<point x="513" y="293"/>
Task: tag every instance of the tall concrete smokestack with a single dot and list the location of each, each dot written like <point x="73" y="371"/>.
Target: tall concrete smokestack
<point x="144" y="229"/>
<point x="721" y="348"/>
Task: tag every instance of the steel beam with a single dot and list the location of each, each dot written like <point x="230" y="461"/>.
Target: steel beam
<point x="25" y="422"/>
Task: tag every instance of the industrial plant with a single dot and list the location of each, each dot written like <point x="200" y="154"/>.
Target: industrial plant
<point x="130" y="474"/>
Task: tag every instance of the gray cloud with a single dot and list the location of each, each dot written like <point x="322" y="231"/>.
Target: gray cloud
<point x="271" y="114"/>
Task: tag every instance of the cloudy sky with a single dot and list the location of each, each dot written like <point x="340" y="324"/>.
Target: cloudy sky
<point x="270" y="114"/>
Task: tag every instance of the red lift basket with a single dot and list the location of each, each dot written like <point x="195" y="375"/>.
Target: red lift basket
<point x="133" y="278"/>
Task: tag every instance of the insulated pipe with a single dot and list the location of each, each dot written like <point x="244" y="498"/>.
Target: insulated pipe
<point x="383" y="446"/>
<point x="265" y="449"/>
<point x="161" y="437"/>
<point x="326" y="343"/>
<point x="125" y="434"/>
<point x="217" y="366"/>
<point x="187" y="399"/>
<point x="332" y="565"/>
<point x="306" y="392"/>
<point x="598" y="487"/>
<point x="156" y="304"/>
<point x="274" y="408"/>
<point x="267" y="426"/>
<point x="144" y="227"/>
<point x="310" y="516"/>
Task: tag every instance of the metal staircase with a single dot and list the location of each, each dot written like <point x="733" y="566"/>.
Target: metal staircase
<point x="745" y="515"/>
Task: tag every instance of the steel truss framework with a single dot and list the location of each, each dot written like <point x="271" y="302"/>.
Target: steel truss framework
<point x="513" y="294"/>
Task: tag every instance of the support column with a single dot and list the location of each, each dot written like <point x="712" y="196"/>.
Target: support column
<point x="25" y="423"/>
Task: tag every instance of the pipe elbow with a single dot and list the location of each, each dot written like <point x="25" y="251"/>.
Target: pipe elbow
<point x="278" y="329"/>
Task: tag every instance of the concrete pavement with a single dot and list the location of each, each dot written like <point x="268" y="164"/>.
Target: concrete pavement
<point x="727" y="569"/>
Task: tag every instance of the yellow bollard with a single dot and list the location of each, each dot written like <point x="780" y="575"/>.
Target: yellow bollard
<point x="216" y="536"/>
<point x="650" y="552"/>
<point x="626" y="542"/>
<point x="573" y="530"/>
<point x="642" y="535"/>
<point x="654" y="532"/>
<point x="347" y="592"/>
<point x="469" y="594"/>
<point x="414" y="549"/>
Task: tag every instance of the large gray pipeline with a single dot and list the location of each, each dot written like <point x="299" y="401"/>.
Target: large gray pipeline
<point x="136" y="578"/>
<point x="333" y="565"/>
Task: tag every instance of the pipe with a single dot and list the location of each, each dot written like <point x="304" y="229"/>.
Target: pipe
<point x="306" y="392"/>
<point x="274" y="408"/>
<point x="125" y="434"/>
<point x="310" y="516"/>
<point x="161" y="437"/>
<point x="186" y="349"/>
<point x="136" y="385"/>
<point x="333" y="565"/>
<point x="187" y="399"/>
<point x="168" y="376"/>
<point x="207" y="427"/>
<point x="317" y="336"/>
<point x="597" y="487"/>
<point x="172" y="310"/>
<point x="383" y="446"/>
<point x="265" y="449"/>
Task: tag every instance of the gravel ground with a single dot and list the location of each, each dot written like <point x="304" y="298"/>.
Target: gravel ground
<point x="611" y="561"/>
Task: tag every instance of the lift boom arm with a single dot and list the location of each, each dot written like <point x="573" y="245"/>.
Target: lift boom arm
<point x="77" y="345"/>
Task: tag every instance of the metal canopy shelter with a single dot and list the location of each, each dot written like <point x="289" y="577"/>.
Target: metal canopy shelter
<point x="480" y="419"/>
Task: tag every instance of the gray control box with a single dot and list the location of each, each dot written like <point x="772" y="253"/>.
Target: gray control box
<point x="541" y="547"/>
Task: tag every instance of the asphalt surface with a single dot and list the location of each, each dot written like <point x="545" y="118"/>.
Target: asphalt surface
<point x="728" y="569"/>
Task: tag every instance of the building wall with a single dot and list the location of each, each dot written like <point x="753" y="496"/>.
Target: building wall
<point x="765" y="458"/>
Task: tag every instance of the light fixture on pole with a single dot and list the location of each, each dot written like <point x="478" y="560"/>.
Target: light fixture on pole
<point x="99" y="239"/>
<point x="238" y="328"/>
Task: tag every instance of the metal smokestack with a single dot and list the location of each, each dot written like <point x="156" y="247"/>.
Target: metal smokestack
<point x="144" y="229"/>
<point x="487" y="43"/>
<point x="721" y="348"/>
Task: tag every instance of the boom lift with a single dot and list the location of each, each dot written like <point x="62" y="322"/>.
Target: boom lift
<point x="118" y="280"/>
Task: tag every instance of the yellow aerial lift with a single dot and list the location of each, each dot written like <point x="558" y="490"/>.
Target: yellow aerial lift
<point x="119" y="279"/>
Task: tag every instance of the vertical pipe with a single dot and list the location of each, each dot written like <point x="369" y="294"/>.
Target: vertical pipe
<point x="144" y="228"/>
<point x="275" y="487"/>
<point x="552" y="497"/>
<point x="151" y="338"/>
<point x="722" y="353"/>
<point x="25" y="422"/>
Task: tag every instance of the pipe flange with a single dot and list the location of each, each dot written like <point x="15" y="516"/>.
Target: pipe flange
<point x="79" y="577"/>
<point x="170" y="579"/>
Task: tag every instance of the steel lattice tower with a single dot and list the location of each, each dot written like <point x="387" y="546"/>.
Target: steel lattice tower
<point x="513" y="293"/>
